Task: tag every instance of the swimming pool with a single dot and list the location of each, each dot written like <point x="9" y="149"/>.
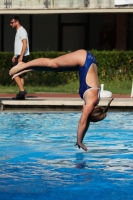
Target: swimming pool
<point x="38" y="159"/>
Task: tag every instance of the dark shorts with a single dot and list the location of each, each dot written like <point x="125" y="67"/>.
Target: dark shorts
<point x="25" y="59"/>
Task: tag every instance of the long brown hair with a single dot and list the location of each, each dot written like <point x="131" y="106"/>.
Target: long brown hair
<point x="99" y="113"/>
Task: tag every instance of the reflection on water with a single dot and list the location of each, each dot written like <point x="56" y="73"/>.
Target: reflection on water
<point x="38" y="159"/>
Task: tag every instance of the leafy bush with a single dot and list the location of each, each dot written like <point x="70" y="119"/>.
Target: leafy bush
<point x="114" y="65"/>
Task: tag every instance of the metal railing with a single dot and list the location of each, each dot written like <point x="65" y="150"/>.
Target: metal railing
<point x="57" y="4"/>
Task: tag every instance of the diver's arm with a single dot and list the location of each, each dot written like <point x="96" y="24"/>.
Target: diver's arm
<point x="83" y="125"/>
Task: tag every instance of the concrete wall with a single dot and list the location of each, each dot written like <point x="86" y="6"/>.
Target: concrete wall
<point x="121" y="31"/>
<point x="45" y="32"/>
<point x="56" y="4"/>
<point x="9" y="33"/>
<point x="71" y="32"/>
<point x="130" y="32"/>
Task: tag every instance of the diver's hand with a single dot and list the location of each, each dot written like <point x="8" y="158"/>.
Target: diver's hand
<point x="81" y="145"/>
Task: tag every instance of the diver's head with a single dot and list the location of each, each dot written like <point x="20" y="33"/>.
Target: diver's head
<point x="99" y="113"/>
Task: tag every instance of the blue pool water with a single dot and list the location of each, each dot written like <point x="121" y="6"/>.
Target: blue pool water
<point x="38" y="159"/>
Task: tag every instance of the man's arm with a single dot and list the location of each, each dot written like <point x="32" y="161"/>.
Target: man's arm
<point x="13" y="58"/>
<point x="24" y="46"/>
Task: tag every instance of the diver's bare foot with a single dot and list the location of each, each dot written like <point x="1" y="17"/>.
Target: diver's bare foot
<point x="22" y="72"/>
<point x="17" y="68"/>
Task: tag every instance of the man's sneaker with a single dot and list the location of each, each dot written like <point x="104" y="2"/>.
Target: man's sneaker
<point x="25" y="91"/>
<point x="20" y="96"/>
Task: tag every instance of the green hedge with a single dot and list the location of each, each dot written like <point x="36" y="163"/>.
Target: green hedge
<point x="112" y="65"/>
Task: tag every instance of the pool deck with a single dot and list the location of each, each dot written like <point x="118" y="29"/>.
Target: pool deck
<point x="57" y="101"/>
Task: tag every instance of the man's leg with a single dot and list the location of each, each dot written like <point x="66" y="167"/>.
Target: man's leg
<point x="22" y="80"/>
<point x="25" y="59"/>
<point x="21" y="94"/>
<point x="20" y="83"/>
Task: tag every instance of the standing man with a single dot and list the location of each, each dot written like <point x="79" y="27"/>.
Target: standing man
<point x="21" y="53"/>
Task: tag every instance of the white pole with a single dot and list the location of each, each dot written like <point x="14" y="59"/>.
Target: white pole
<point x="102" y="87"/>
<point x="132" y="90"/>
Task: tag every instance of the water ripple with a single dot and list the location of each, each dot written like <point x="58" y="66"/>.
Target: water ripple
<point x="38" y="159"/>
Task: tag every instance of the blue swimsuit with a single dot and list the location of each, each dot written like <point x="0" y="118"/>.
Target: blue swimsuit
<point x="83" y="72"/>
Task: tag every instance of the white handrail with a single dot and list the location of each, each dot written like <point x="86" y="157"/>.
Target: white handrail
<point x="132" y="90"/>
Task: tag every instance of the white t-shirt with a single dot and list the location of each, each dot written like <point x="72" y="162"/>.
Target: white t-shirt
<point x="20" y="35"/>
